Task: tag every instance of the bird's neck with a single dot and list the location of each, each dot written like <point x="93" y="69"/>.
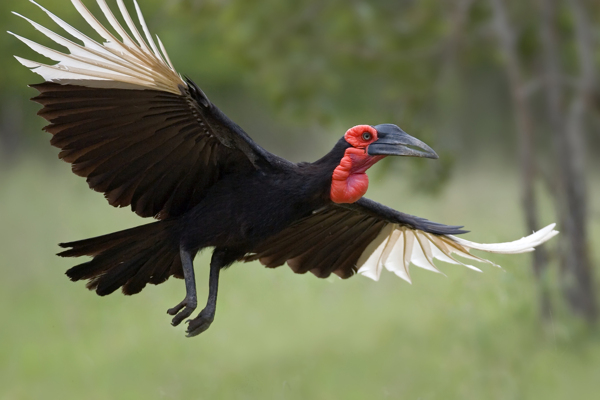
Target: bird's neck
<point x="349" y="181"/>
<point x="344" y="171"/>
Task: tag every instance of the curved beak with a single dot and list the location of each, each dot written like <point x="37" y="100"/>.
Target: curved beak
<point x="393" y="141"/>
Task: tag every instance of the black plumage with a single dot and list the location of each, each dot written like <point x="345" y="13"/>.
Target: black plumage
<point x="181" y="160"/>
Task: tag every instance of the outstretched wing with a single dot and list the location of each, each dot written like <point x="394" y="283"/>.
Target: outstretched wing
<point x="126" y="121"/>
<point x="366" y="236"/>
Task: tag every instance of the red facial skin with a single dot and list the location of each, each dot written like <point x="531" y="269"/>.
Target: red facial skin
<point x="349" y="180"/>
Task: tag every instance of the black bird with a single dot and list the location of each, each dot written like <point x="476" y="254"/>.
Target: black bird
<point x="149" y="139"/>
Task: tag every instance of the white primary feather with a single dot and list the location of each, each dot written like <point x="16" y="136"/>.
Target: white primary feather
<point x="119" y="64"/>
<point x="396" y="247"/>
<point x="371" y="258"/>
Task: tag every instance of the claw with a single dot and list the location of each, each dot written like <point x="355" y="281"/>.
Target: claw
<point x="199" y="324"/>
<point x="187" y="305"/>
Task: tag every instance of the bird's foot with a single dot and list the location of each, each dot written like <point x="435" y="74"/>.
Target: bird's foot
<point x="201" y="323"/>
<point x="190" y="305"/>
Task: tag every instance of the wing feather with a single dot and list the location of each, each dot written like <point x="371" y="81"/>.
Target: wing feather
<point x="128" y="123"/>
<point x="421" y="248"/>
<point x="395" y="262"/>
<point x="367" y="237"/>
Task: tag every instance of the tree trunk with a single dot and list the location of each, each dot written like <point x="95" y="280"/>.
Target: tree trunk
<point x="525" y="130"/>
<point x="571" y="196"/>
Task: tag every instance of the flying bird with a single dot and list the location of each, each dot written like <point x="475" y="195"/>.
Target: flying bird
<point x="150" y="139"/>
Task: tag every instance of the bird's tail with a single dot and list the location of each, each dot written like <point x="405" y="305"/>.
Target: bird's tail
<point x="129" y="258"/>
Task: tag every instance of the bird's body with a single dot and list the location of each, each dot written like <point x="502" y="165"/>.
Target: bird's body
<point x="148" y="139"/>
<point x="241" y="211"/>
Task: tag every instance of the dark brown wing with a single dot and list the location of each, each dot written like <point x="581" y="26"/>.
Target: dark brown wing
<point x="154" y="150"/>
<point x="334" y="238"/>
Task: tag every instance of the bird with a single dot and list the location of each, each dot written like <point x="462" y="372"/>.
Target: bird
<point x="150" y="139"/>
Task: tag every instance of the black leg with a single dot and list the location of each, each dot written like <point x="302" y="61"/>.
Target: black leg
<point x="190" y="301"/>
<point x="207" y="315"/>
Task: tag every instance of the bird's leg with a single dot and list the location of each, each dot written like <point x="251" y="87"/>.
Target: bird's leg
<point x="207" y="315"/>
<point x="190" y="301"/>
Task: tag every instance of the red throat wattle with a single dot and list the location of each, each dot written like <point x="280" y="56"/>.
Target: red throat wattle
<point x="349" y="181"/>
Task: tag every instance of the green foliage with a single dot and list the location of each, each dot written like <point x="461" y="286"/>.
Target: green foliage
<point x="336" y="59"/>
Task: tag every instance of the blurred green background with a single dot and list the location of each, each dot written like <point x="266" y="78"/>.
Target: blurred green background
<point x="296" y="75"/>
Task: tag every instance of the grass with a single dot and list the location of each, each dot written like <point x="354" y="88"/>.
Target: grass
<point x="278" y="335"/>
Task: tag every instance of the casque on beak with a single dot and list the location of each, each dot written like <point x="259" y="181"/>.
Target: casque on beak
<point x="393" y="141"/>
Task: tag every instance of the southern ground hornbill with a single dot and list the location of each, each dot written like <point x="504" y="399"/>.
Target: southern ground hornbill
<point x="146" y="138"/>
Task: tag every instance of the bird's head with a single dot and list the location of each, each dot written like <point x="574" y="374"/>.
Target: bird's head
<point x="366" y="145"/>
<point x="386" y="140"/>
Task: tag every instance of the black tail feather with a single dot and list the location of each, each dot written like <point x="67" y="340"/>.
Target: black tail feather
<point x="129" y="259"/>
<point x="119" y="275"/>
<point x="154" y="267"/>
<point x="95" y="245"/>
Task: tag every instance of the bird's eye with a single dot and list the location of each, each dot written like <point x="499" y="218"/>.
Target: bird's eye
<point x="366" y="136"/>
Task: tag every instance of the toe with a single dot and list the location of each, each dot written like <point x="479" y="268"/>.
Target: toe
<point x="176" y="309"/>
<point x="182" y="315"/>
<point x="198" y="325"/>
